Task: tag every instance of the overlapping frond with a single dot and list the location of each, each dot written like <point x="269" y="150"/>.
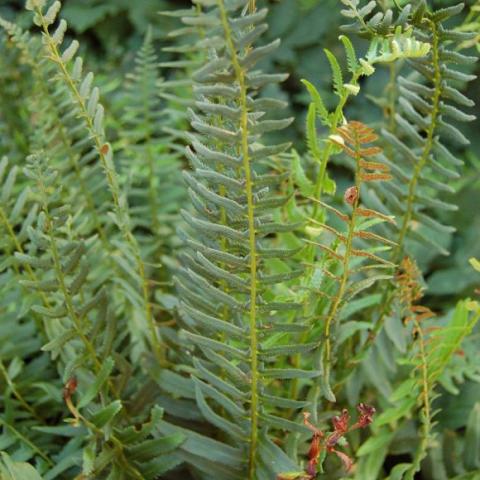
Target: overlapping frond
<point x="353" y="255"/>
<point x="83" y="102"/>
<point x="57" y="129"/>
<point x="83" y="338"/>
<point x="424" y="126"/>
<point x="431" y="353"/>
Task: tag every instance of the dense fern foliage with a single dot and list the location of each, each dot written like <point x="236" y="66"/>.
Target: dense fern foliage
<point x="185" y="293"/>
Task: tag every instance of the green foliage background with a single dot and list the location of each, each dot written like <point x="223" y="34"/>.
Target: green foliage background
<point x="111" y="32"/>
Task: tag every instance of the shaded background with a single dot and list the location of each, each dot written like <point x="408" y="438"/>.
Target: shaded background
<point x="111" y="31"/>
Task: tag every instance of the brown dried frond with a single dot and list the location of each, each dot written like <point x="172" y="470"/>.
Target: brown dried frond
<point x="375" y="177"/>
<point x="355" y="132"/>
<point x="374" y="166"/>
<point x="366" y="212"/>
<point x="411" y="291"/>
<point x="353" y="138"/>
<point x="341" y="426"/>
<point x="373" y="236"/>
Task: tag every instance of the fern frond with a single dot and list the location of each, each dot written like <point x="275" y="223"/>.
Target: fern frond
<point x="85" y="101"/>
<point x="53" y="128"/>
<point x="431" y="354"/>
<point x="420" y="127"/>
<point x="80" y="326"/>
<point x="227" y="282"/>
<point x="149" y="158"/>
<point x="343" y="258"/>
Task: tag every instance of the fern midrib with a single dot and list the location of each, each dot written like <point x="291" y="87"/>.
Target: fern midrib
<point x="426" y="406"/>
<point x="346" y="263"/>
<point x="57" y="265"/>
<point x="397" y="252"/>
<point x="66" y="295"/>
<point x="240" y="77"/>
<point x="114" y="190"/>
<point x="310" y="252"/>
<point x="437" y="84"/>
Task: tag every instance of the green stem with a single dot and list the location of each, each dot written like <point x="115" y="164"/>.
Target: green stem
<point x="254" y="404"/>
<point x="345" y="272"/>
<point x="310" y="252"/>
<point x="426" y="407"/>
<point x="337" y="117"/>
<point x="121" y="210"/>
<point x="27" y="442"/>
<point x="17" y="394"/>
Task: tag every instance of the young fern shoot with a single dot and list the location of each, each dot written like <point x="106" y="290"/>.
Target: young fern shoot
<point x="351" y="262"/>
<point x="149" y="158"/>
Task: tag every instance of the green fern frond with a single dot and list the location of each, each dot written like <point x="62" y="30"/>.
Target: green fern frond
<point x="349" y="252"/>
<point x="85" y="102"/>
<point x="151" y="162"/>
<point x="227" y="280"/>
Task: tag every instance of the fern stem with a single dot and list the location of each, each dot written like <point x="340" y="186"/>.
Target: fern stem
<point x="426" y="406"/>
<point x="337" y="117"/>
<point x="345" y="273"/>
<point x="310" y="253"/>
<point x="17" y="394"/>
<point x="240" y="77"/>
<point x="28" y="442"/>
<point x="67" y="297"/>
<point x="388" y="295"/>
<point x="121" y="211"/>
<point x="57" y="265"/>
<point x="437" y="84"/>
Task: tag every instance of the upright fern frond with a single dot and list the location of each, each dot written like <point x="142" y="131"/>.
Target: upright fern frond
<point x="431" y="355"/>
<point x="423" y="126"/>
<point x="85" y="103"/>
<point x="351" y="262"/>
<point x="151" y="162"/>
<point x="422" y="164"/>
<point x="55" y="129"/>
<point x="84" y="337"/>
<point x="385" y="48"/>
<point x="230" y="272"/>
